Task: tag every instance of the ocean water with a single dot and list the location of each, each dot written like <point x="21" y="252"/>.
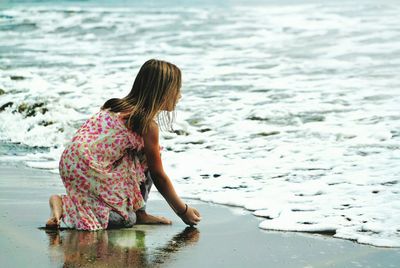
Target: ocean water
<point x="289" y="109"/>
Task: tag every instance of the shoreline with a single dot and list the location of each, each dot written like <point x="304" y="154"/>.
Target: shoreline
<point x="226" y="237"/>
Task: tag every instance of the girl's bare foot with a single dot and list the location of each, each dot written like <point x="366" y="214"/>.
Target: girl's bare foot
<point x="55" y="203"/>
<point x="144" y="218"/>
<point x="52" y="223"/>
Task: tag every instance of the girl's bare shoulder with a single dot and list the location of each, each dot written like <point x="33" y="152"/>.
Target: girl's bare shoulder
<point x="153" y="130"/>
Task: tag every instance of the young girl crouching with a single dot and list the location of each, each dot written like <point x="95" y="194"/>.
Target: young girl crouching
<point x="114" y="157"/>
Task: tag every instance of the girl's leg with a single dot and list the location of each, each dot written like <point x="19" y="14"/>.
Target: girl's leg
<point x="141" y="216"/>
<point x="144" y="218"/>
<point x="55" y="203"/>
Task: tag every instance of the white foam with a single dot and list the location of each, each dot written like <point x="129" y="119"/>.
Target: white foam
<point x="43" y="165"/>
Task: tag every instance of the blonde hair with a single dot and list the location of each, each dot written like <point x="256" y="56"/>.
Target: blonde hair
<point x="157" y="83"/>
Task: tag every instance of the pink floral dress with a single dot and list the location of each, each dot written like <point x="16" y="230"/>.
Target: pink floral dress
<point x="102" y="169"/>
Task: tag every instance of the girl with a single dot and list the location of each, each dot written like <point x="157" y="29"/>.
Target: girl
<point x="109" y="166"/>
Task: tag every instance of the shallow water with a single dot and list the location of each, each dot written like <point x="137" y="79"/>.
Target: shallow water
<point x="290" y="110"/>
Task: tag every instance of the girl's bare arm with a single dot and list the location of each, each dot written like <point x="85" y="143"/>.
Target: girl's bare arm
<point x="160" y="178"/>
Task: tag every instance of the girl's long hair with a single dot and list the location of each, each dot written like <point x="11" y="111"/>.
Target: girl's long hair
<point x="156" y="85"/>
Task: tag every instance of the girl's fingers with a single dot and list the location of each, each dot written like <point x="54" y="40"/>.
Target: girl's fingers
<point x="196" y="219"/>
<point x="192" y="217"/>
<point x="196" y="212"/>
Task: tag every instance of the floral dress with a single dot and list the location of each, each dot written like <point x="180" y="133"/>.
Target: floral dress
<point x="102" y="169"/>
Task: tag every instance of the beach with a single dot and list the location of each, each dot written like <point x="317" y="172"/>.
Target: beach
<point x="294" y="104"/>
<point x="226" y="237"/>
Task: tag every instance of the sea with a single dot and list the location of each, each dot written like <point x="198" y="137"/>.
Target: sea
<point x="290" y="109"/>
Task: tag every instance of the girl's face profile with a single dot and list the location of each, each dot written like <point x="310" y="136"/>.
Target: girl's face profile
<point x="171" y="103"/>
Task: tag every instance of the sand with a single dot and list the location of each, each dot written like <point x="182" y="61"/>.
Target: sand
<point x="226" y="237"/>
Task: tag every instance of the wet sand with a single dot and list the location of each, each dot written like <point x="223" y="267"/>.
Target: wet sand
<point x="227" y="237"/>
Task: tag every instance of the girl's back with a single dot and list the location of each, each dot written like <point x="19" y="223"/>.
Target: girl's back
<point x="102" y="140"/>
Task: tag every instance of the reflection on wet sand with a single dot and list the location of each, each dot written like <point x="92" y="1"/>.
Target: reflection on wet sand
<point x="115" y="248"/>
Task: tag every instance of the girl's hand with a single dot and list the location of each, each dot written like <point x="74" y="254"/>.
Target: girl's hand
<point x="191" y="217"/>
